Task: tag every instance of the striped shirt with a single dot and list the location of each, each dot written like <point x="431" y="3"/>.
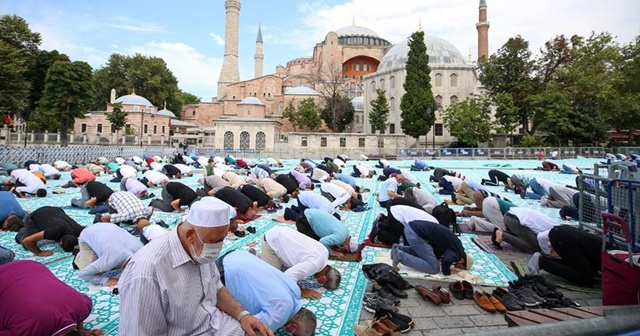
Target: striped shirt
<point x="127" y="206"/>
<point x="162" y="292"/>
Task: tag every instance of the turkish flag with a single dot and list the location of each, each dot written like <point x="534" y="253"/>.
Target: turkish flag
<point x="169" y="122"/>
<point x="8" y="120"/>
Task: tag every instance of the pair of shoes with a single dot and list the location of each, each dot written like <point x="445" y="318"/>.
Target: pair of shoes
<point x="250" y="229"/>
<point x="371" y="328"/>
<point x="428" y="295"/>
<point x="510" y="301"/>
<point x="457" y="290"/>
<point x="493" y="239"/>
<point x="382" y="292"/>
<point x="525" y="294"/>
<point x="488" y="302"/>
<point x="373" y="302"/>
<point x="443" y="293"/>
<point x="240" y="233"/>
<point x="404" y="322"/>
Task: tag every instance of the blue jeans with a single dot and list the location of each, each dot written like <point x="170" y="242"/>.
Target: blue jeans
<point x="447" y="187"/>
<point x="6" y="255"/>
<point x="566" y="170"/>
<point x="538" y="190"/>
<point x="419" y="255"/>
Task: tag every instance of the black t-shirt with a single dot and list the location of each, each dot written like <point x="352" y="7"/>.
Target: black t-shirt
<point x="98" y="190"/>
<point x="234" y="198"/>
<point x="182" y="192"/>
<point x="53" y="221"/>
<point x="255" y="194"/>
<point x="171" y="170"/>
<point x="290" y="184"/>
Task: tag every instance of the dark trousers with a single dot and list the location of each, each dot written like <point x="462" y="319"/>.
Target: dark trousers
<point x="520" y="236"/>
<point x="165" y="203"/>
<point x="303" y="226"/>
<point x="447" y="187"/>
<point x="356" y="172"/>
<point x="495" y="177"/>
<point x="118" y="177"/>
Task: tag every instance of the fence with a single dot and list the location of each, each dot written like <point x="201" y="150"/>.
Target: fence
<point x="76" y="154"/>
<point x="509" y="152"/>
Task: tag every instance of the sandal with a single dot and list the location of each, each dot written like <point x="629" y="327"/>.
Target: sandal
<point x="250" y="229"/>
<point x="240" y="233"/>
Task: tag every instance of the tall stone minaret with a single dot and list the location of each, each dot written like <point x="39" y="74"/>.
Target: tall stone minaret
<point x="230" y="72"/>
<point x="259" y="55"/>
<point x="483" y="31"/>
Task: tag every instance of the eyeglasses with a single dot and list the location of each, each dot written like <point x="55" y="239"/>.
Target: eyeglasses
<point x="290" y="328"/>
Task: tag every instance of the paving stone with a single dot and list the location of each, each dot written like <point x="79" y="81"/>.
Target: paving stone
<point x="411" y="302"/>
<point x="441" y="332"/>
<point x="469" y="330"/>
<point x="593" y="302"/>
<point x="488" y="320"/>
<point x="493" y="327"/>
<point x="425" y="311"/>
<point x="425" y="323"/>
<point x="454" y="322"/>
<point x="456" y="310"/>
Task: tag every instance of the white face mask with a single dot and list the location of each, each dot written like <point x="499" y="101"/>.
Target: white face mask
<point x="209" y="252"/>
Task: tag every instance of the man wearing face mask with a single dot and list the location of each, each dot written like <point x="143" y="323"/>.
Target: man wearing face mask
<point x="170" y="287"/>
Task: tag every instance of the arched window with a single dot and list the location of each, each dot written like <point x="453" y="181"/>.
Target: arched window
<point x="439" y="101"/>
<point x="454" y="80"/>
<point x="392" y="104"/>
<point x="382" y="84"/>
<point x="248" y="111"/>
<point x="438" y="81"/>
<point x="261" y="141"/>
<point x="373" y="86"/>
<point x="228" y="140"/>
<point x="245" y="140"/>
<point x="392" y="82"/>
<point x="454" y="99"/>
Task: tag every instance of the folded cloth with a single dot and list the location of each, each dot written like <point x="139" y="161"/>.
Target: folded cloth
<point x="280" y="219"/>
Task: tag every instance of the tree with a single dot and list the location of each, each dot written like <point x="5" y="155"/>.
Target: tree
<point x="148" y="76"/>
<point x="469" y="120"/>
<point x="379" y="111"/>
<point x="338" y="112"/>
<point x="67" y="94"/>
<point x="625" y="114"/>
<point x="506" y="115"/>
<point x="292" y="115"/>
<point x="18" y="47"/>
<point x="117" y="117"/>
<point x="308" y="115"/>
<point x="417" y="104"/>
<point x="185" y="98"/>
<point x="37" y="73"/>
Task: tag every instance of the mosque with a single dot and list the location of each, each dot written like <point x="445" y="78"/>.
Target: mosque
<point x="248" y="114"/>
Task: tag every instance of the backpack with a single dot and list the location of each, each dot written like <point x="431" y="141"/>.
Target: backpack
<point x="446" y="216"/>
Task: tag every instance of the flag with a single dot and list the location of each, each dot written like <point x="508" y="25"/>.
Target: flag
<point x="169" y="122"/>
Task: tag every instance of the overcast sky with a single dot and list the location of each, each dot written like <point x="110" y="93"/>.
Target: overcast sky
<point x="189" y="35"/>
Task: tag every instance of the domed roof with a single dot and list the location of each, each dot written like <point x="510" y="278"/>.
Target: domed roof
<point x="251" y="101"/>
<point x="358" y="103"/>
<point x="165" y="112"/>
<point x="354" y="30"/>
<point x="441" y="52"/>
<point x="133" y="99"/>
<point x="302" y="91"/>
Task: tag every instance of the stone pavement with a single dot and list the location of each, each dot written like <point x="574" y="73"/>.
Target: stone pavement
<point x="462" y="316"/>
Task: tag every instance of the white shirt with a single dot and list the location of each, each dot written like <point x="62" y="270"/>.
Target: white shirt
<point x="153" y="231"/>
<point x="545" y="184"/>
<point x="136" y="159"/>
<point x="312" y="200"/>
<point x="156" y="166"/>
<point x="61" y="165"/>
<point x="384" y="162"/>
<point x="34" y="167"/>
<point x="456" y="182"/>
<point x="302" y="255"/>
<point x="119" y="161"/>
<point x="134" y="186"/>
<point x="203" y="161"/>
<point x="128" y="171"/>
<point x="340" y="195"/>
<point x="31" y="183"/>
<point x="364" y="170"/>
<point x="48" y="170"/>
<point x="155" y="177"/>
<point x="409" y="176"/>
<point x="345" y="186"/>
<point x="405" y="214"/>
<point x="534" y="220"/>
<point x="18" y="173"/>
<point x="338" y="162"/>
<point x="184" y="169"/>
<point x="424" y="199"/>
<point x="187" y="159"/>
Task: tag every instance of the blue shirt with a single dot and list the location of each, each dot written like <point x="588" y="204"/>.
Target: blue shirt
<point x="390" y="184"/>
<point x="330" y="230"/>
<point x="316" y="201"/>
<point x="10" y="206"/>
<point x="266" y="292"/>
<point x="475" y="185"/>
<point x="346" y="179"/>
<point x="266" y="168"/>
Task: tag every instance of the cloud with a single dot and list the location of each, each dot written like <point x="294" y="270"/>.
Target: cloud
<point x="130" y="24"/>
<point x="196" y="72"/>
<point x="217" y="38"/>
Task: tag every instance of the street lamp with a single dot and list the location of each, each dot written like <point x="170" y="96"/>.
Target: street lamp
<point x="141" y="123"/>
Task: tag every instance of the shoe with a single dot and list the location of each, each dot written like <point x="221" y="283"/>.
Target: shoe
<point x="528" y="289"/>
<point x="508" y="299"/>
<point x="428" y="295"/>
<point x="506" y="187"/>
<point x="387" y="323"/>
<point x="522" y="193"/>
<point x="404" y="322"/>
<point x="250" y="229"/>
<point x="468" y="289"/>
<point x="383" y="293"/>
<point x="524" y="296"/>
<point x="373" y="302"/>
<point x="483" y="301"/>
<point x="371" y="328"/>
<point x="239" y="233"/>
<point x="162" y="224"/>
<point x="496" y="303"/>
<point x="457" y="290"/>
<point x="534" y="263"/>
<point x="396" y="292"/>
<point x="443" y="293"/>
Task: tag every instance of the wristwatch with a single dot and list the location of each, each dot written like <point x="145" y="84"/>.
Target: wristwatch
<point x="242" y="314"/>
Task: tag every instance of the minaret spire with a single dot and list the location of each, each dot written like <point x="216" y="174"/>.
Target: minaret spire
<point x="483" y="31"/>
<point x="230" y="72"/>
<point x="419" y="24"/>
<point x="259" y="55"/>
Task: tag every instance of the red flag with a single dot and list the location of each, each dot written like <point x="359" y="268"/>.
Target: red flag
<point x="169" y="122"/>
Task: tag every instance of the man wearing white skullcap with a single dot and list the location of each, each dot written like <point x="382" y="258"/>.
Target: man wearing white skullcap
<point x="170" y="287"/>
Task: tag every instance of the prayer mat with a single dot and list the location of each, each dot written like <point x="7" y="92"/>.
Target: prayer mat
<point x="523" y="269"/>
<point x="7" y="240"/>
<point x="487" y="268"/>
<point x="368" y="242"/>
<point x="349" y="257"/>
<point x="484" y="242"/>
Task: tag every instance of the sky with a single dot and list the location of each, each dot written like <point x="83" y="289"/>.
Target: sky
<point x="189" y="35"/>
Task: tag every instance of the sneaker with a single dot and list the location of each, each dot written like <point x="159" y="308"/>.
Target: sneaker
<point x="404" y="322"/>
<point x="371" y="328"/>
<point x="529" y="289"/>
<point x="507" y="299"/>
<point x="524" y="296"/>
<point x="371" y="304"/>
<point x="384" y="293"/>
<point x="534" y="263"/>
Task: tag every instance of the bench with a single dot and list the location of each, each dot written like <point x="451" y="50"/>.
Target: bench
<point x="542" y="316"/>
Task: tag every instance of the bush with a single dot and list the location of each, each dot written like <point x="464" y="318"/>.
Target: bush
<point x="531" y="141"/>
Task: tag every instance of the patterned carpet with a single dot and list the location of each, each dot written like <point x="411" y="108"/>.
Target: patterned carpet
<point x="337" y="311"/>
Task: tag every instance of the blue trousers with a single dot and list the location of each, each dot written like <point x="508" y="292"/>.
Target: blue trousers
<point x="419" y="255"/>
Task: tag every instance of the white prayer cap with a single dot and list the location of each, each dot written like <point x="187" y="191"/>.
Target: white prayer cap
<point x="210" y="212"/>
<point x="353" y="245"/>
<point x="543" y="241"/>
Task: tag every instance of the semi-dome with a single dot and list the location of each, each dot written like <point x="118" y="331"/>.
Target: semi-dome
<point x="302" y="91"/>
<point x="354" y="30"/>
<point x="358" y="103"/>
<point x="251" y="101"/>
<point x="133" y="99"/>
<point x="441" y="52"/>
<point x="167" y="113"/>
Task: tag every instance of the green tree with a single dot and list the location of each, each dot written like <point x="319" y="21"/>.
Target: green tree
<point x="417" y="104"/>
<point x="337" y="113"/>
<point x="625" y="111"/>
<point x="469" y="120"/>
<point x="18" y="48"/>
<point x="148" y="76"/>
<point x="117" y="117"/>
<point x="506" y="115"/>
<point x="292" y="115"/>
<point x="379" y="111"/>
<point x="308" y="115"/>
<point x="185" y="98"/>
<point x="554" y="111"/>
<point x="67" y="95"/>
<point x="37" y="73"/>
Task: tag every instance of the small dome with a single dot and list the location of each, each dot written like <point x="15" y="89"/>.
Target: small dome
<point x="251" y="101"/>
<point x="356" y="31"/>
<point x="441" y="52"/>
<point x="165" y="112"/>
<point x="302" y="91"/>
<point x="133" y="99"/>
<point x="358" y="103"/>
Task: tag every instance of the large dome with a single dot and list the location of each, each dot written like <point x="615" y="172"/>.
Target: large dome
<point x="251" y="101"/>
<point x="356" y="31"/>
<point x="166" y="113"/>
<point x="133" y="99"/>
<point x="302" y="91"/>
<point x="441" y="52"/>
<point x="358" y="103"/>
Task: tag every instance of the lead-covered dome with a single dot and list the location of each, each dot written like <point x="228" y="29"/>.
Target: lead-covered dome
<point x="251" y="101"/>
<point x="356" y="31"/>
<point x="166" y="113"/>
<point x="358" y="103"/>
<point x="441" y="52"/>
<point x="302" y="91"/>
<point x="133" y="99"/>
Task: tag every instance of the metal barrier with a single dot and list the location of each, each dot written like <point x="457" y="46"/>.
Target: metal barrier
<point x="507" y="153"/>
<point x="76" y="154"/>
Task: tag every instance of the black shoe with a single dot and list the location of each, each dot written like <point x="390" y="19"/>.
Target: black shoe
<point x="523" y="194"/>
<point x="163" y="224"/>
<point x="382" y="292"/>
<point x="373" y="303"/>
<point x="403" y="326"/>
<point x="396" y="292"/>
<point x="508" y="300"/>
<point x="250" y="229"/>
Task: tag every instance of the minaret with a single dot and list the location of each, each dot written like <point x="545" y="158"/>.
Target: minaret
<point x="259" y="56"/>
<point x="230" y="72"/>
<point x="483" y="31"/>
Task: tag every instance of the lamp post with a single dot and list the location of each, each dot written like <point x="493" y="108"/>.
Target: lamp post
<point x="141" y="123"/>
